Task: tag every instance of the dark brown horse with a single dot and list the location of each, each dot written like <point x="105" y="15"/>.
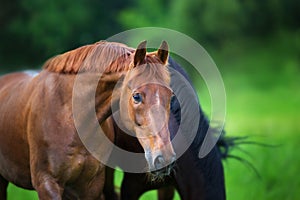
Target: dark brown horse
<point x="194" y="178"/>
<point x="41" y="143"/>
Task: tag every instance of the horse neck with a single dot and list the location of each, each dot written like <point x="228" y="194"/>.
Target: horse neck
<point x="92" y="100"/>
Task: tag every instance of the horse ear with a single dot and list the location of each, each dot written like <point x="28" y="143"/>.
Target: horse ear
<point x="163" y="52"/>
<point x="140" y="53"/>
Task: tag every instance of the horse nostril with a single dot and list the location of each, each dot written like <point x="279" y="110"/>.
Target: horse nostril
<point x="158" y="162"/>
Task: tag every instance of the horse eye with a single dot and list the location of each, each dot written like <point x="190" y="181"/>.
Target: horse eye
<point x="137" y="97"/>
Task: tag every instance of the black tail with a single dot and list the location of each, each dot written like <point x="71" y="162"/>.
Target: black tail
<point x="226" y="144"/>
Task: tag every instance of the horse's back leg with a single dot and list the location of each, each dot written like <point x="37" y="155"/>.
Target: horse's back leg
<point x="166" y="193"/>
<point x="3" y="188"/>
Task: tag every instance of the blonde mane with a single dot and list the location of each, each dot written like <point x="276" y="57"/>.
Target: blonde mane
<point x="104" y="57"/>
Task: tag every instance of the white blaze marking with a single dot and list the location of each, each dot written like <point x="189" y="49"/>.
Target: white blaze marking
<point x="157" y="97"/>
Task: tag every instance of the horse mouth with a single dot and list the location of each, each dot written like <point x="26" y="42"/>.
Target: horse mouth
<point x="160" y="174"/>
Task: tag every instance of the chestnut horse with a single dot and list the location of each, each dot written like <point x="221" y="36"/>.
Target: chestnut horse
<point x="194" y="178"/>
<point x="40" y="145"/>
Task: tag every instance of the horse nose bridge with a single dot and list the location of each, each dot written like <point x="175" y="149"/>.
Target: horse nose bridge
<point x="158" y="110"/>
<point x="162" y="140"/>
<point x="163" y="147"/>
<point x="158" y="116"/>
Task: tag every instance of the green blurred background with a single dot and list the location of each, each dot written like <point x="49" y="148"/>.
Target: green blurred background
<point x="255" y="44"/>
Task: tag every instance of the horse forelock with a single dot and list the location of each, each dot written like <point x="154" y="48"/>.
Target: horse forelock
<point x="104" y="57"/>
<point x="152" y="70"/>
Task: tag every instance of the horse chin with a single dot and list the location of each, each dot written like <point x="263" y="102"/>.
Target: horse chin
<point x="161" y="174"/>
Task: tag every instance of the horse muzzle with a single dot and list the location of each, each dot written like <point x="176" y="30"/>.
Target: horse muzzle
<point x="161" y="165"/>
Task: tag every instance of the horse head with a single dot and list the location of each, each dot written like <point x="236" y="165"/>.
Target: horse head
<point x="145" y="106"/>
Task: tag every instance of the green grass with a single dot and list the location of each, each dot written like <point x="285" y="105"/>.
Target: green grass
<point x="262" y="80"/>
<point x="263" y="95"/>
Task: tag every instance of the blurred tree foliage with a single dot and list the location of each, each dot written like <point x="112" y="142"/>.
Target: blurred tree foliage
<point x="214" y="21"/>
<point x="33" y="30"/>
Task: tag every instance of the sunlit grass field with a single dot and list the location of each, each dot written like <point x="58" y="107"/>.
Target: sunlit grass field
<point x="262" y="83"/>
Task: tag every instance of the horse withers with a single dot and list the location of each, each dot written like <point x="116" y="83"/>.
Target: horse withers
<point x="40" y="145"/>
